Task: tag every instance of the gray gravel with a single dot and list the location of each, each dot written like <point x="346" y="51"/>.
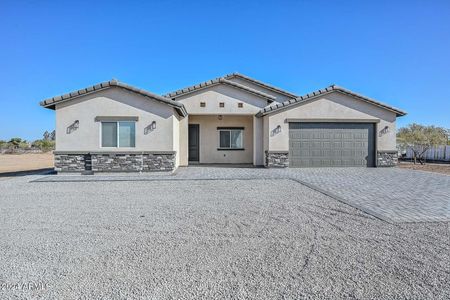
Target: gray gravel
<point x="209" y="239"/>
<point x="391" y="194"/>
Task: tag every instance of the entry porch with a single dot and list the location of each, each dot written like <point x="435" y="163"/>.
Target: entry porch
<point x="221" y="139"/>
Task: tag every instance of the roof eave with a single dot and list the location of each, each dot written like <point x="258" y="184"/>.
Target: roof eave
<point x="50" y="103"/>
<point x="311" y="96"/>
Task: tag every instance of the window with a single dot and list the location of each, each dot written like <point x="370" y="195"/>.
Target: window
<point x="202" y="104"/>
<point x="240" y="105"/>
<point x="118" y="134"/>
<point x="231" y="139"/>
<point x="221" y="104"/>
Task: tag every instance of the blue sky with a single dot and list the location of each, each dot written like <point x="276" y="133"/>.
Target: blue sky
<point x="397" y="52"/>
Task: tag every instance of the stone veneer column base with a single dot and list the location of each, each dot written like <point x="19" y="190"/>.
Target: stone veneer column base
<point x="115" y="162"/>
<point x="387" y="158"/>
<point x="277" y="159"/>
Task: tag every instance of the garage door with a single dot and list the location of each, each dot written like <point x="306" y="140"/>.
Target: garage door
<point x="331" y="145"/>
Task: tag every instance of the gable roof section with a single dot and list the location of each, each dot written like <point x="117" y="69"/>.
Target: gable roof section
<point x="51" y="102"/>
<point x="260" y="83"/>
<point x="332" y="88"/>
<point x="217" y="81"/>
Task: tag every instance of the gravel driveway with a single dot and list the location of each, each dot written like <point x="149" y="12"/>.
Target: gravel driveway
<point x="208" y="239"/>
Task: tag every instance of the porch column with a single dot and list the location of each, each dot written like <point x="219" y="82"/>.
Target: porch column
<point x="183" y="144"/>
<point x="258" y="142"/>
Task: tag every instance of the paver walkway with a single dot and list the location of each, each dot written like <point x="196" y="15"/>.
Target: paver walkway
<point x="392" y="194"/>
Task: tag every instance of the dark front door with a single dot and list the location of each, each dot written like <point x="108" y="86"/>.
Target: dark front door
<point x="194" y="142"/>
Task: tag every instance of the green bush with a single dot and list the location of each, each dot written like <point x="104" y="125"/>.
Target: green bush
<point x="15" y="142"/>
<point x="44" y="145"/>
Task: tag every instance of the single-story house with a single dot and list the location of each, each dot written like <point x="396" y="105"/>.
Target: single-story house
<point x="234" y="119"/>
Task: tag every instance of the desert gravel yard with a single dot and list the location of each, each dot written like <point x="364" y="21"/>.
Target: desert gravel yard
<point x="259" y="238"/>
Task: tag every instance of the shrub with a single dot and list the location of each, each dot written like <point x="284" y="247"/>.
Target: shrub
<point x="44" y="145"/>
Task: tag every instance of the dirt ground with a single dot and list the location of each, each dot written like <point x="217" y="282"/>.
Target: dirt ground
<point x="22" y="163"/>
<point x="429" y="167"/>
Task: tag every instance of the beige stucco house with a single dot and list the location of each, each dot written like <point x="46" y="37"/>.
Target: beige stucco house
<point x="233" y="119"/>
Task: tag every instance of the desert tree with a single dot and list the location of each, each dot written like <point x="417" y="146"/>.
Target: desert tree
<point x="46" y="135"/>
<point x="53" y="135"/>
<point x="420" y="138"/>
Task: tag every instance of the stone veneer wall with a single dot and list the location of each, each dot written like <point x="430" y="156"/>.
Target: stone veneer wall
<point x="387" y="158"/>
<point x="69" y="162"/>
<point x="277" y="159"/>
<point x="158" y="162"/>
<point x="116" y="162"/>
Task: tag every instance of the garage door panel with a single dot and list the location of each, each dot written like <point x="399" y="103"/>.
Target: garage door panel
<point x="331" y="144"/>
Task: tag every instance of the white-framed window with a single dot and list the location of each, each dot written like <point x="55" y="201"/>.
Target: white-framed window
<point x="118" y="134"/>
<point x="231" y="138"/>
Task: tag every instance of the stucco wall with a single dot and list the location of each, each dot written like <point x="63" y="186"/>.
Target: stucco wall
<point x="332" y="106"/>
<point x="265" y="133"/>
<point x="213" y="95"/>
<point x="209" y="139"/>
<point x="183" y="144"/>
<point x="258" y="141"/>
<point x="176" y="138"/>
<point x="115" y="102"/>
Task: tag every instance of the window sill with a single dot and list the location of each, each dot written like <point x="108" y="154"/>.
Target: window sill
<point x="230" y="149"/>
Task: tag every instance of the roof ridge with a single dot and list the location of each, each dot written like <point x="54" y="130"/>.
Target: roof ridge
<point x="215" y="81"/>
<point x="260" y="83"/>
<point x="227" y="77"/>
<point x="224" y="80"/>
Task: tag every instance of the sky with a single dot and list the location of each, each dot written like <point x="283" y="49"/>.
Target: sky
<point x="397" y="52"/>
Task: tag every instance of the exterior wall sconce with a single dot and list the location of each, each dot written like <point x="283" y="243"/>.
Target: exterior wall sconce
<point x="275" y="131"/>
<point x="220" y="117"/>
<point x="150" y="127"/>
<point x="384" y="131"/>
<point x="72" y="127"/>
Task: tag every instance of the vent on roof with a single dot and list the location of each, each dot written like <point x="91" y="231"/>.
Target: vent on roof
<point x="240" y="105"/>
<point x="221" y="104"/>
<point x="202" y="104"/>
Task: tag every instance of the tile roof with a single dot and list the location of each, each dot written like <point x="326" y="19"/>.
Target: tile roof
<point x="51" y="102"/>
<point x="260" y="83"/>
<point x="332" y="88"/>
<point x="217" y="81"/>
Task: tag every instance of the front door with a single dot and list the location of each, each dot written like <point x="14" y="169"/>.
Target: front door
<point x="194" y="142"/>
